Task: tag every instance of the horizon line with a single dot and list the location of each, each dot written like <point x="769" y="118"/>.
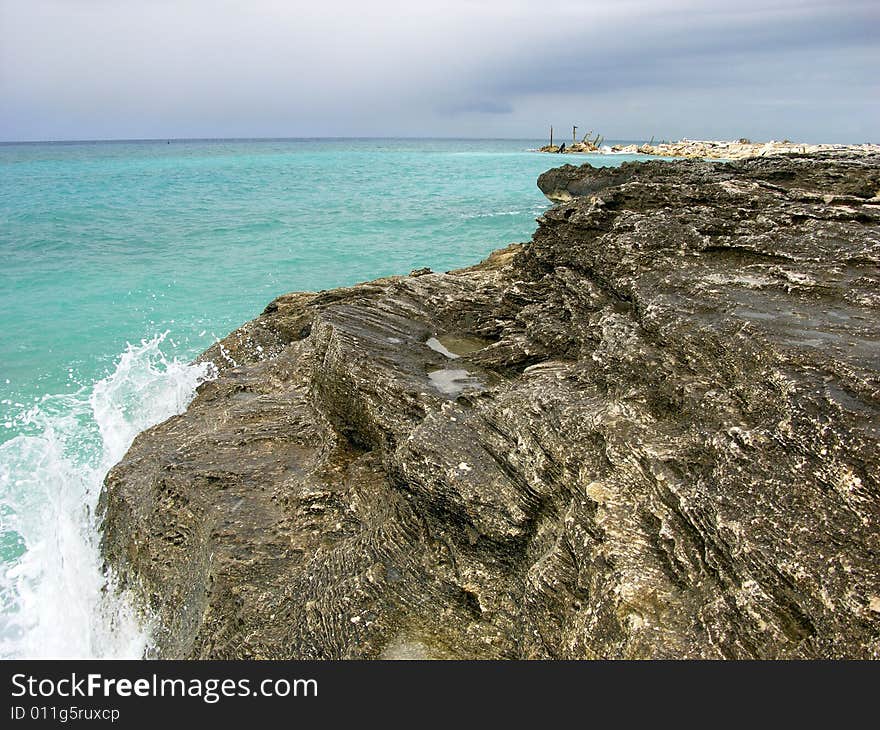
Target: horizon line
<point x="312" y="138"/>
<point x="275" y="139"/>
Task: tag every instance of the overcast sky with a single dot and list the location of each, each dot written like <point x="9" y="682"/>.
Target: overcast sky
<point x="117" y="69"/>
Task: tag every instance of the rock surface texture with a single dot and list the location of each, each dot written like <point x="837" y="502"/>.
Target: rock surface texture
<point x="650" y="432"/>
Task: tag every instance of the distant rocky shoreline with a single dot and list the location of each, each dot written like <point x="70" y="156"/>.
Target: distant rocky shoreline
<point x="721" y="150"/>
<point x="652" y="431"/>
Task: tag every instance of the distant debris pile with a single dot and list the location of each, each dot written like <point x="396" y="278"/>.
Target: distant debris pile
<point x="712" y="149"/>
<point x="588" y="143"/>
<point x="738" y="150"/>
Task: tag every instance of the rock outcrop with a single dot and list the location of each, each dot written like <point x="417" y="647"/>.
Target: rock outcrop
<point x="652" y="431"/>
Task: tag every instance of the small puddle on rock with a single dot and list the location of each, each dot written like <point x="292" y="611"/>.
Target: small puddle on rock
<point x="454" y="347"/>
<point x="454" y="382"/>
<point x="437" y="346"/>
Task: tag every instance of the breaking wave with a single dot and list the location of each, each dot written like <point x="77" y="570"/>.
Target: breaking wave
<point x="56" y="598"/>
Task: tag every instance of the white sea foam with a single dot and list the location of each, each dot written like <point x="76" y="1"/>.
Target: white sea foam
<point x="533" y="210"/>
<point x="56" y="600"/>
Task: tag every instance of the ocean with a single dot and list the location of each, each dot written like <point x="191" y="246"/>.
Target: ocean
<point x="121" y="261"/>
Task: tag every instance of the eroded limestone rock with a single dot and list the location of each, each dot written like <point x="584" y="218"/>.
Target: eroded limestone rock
<point x="666" y="444"/>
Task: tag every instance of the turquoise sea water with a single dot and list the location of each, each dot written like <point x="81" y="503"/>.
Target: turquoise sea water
<point x="123" y="260"/>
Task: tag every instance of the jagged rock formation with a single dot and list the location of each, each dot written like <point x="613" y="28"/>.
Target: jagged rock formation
<point x="650" y="432"/>
<point x="829" y="178"/>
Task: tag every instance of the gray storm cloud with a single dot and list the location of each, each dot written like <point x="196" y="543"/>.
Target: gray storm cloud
<point x="87" y="69"/>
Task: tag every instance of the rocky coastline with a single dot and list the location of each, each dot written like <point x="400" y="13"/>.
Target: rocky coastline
<point x="716" y="150"/>
<point x="652" y="431"/>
